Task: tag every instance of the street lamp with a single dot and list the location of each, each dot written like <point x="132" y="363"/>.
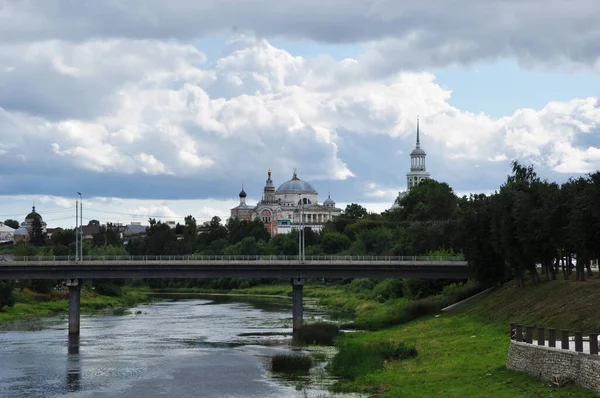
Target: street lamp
<point x="300" y="230"/>
<point x="80" y="254"/>
<point x="76" y="226"/>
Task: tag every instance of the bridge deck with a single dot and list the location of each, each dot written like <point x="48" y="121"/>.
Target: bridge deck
<point x="221" y="267"/>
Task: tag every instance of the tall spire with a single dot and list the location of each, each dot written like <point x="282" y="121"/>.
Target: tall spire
<point x="418" y="143"/>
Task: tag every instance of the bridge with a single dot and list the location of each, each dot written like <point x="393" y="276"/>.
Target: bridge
<point x="294" y="268"/>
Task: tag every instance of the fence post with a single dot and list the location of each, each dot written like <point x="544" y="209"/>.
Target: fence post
<point x="519" y="333"/>
<point x="579" y="341"/>
<point x="564" y="339"/>
<point x="551" y="337"/>
<point x="513" y="333"/>
<point x="594" y="343"/>
<point x="540" y="336"/>
<point x="529" y="336"/>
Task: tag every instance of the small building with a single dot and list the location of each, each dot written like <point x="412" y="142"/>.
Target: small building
<point x="6" y="233"/>
<point x="133" y="230"/>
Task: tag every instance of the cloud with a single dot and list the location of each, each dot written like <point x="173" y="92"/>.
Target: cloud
<point x="167" y="125"/>
<point x="398" y="34"/>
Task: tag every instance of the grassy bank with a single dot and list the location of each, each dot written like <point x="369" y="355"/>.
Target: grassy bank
<point x="31" y="305"/>
<point x="462" y="354"/>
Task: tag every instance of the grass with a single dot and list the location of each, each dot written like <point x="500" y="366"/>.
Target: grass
<point x="458" y="356"/>
<point x="356" y="357"/>
<point x="463" y="353"/>
<point x="291" y="363"/>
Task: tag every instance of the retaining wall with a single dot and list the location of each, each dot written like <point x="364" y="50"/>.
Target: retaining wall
<point x="554" y="364"/>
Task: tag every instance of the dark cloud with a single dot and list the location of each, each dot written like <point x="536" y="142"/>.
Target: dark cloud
<point x="417" y="34"/>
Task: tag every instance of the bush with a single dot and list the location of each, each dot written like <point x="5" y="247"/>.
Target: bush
<point x="6" y="294"/>
<point x="388" y="289"/>
<point x="356" y="358"/>
<point x="318" y="334"/>
<point x="291" y="363"/>
<point x="108" y="289"/>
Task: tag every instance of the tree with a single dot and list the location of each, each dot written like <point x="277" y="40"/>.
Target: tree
<point x="429" y="200"/>
<point x="108" y="236"/>
<point x="354" y="211"/>
<point x="94" y="222"/>
<point x="6" y="294"/>
<point x="12" y="223"/>
<point x="37" y="236"/>
<point x="334" y="242"/>
<point x="190" y="235"/>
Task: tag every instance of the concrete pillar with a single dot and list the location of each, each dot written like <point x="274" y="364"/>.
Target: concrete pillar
<point x="551" y="337"/>
<point x="519" y="333"/>
<point x="297" y="285"/>
<point x="564" y="339"/>
<point x="541" y="336"/>
<point x="579" y="341"/>
<point x="529" y="334"/>
<point x="74" y="300"/>
<point x="594" y="343"/>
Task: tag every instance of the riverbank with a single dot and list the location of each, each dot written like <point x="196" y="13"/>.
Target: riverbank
<point x="463" y="353"/>
<point x="31" y="306"/>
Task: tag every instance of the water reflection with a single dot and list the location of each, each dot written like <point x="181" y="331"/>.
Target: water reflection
<point x="186" y="348"/>
<point x="73" y="365"/>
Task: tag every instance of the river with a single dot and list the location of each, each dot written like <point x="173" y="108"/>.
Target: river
<point x="213" y="346"/>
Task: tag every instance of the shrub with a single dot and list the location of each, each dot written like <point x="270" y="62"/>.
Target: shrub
<point x="291" y="363"/>
<point x="6" y="294"/>
<point x="108" y="289"/>
<point x="355" y="358"/>
<point x="318" y="334"/>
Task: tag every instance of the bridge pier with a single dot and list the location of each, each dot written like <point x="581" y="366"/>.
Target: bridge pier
<point x="297" y="286"/>
<point x="74" y="305"/>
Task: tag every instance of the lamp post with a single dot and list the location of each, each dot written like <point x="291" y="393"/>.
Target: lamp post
<point x="76" y="226"/>
<point x="80" y="254"/>
<point x="300" y="231"/>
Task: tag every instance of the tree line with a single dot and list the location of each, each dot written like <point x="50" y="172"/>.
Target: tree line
<point x="529" y="227"/>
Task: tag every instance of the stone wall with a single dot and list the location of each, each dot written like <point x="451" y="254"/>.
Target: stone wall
<point x="549" y="364"/>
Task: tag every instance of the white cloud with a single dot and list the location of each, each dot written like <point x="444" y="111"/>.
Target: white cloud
<point x="113" y="116"/>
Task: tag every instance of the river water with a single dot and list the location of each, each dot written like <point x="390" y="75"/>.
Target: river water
<point x="204" y="347"/>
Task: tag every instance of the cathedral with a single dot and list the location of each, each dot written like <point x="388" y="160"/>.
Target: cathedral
<point x="418" y="170"/>
<point x="295" y="202"/>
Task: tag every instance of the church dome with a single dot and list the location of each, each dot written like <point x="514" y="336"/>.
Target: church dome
<point x="417" y="152"/>
<point x="21" y="231"/>
<point x="329" y="201"/>
<point x="33" y="215"/>
<point x="296" y="186"/>
<point x="242" y="193"/>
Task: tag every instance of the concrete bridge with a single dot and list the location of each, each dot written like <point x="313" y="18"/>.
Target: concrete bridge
<point x="283" y="267"/>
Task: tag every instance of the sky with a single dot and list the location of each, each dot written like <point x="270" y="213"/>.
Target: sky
<point x="162" y="109"/>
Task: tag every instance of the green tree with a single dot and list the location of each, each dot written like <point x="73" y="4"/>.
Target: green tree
<point x="190" y="235"/>
<point x="6" y="294"/>
<point x="94" y="222"/>
<point x="37" y="237"/>
<point x="62" y="237"/>
<point x="12" y="223"/>
<point x="107" y="236"/>
<point x="429" y="200"/>
<point x="334" y="242"/>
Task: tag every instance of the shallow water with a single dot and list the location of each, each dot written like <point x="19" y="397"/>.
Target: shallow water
<point x="203" y="347"/>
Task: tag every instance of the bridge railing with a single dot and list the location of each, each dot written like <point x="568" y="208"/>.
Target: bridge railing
<point x="225" y="258"/>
